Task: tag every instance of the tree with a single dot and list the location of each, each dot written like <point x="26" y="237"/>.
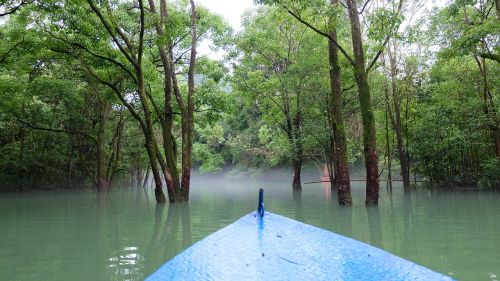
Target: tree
<point x="361" y="77"/>
<point x="470" y="28"/>
<point x="339" y="141"/>
<point x="133" y="52"/>
<point x="277" y="76"/>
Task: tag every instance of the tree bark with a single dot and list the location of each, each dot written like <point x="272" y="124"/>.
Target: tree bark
<point x="114" y="159"/>
<point x="339" y="151"/>
<point x="297" y="167"/>
<point x="188" y="120"/>
<point x="388" y="146"/>
<point x="171" y="173"/>
<point x="149" y="136"/>
<point x="497" y="6"/>
<point x="101" y="179"/>
<point x="299" y="147"/>
<point x="489" y="111"/>
<point x="146" y="178"/>
<point x="134" y="55"/>
<point x="396" y="122"/>
<point x="369" y="131"/>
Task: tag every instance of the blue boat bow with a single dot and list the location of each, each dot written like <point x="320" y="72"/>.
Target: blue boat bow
<point x="273" y="247"/>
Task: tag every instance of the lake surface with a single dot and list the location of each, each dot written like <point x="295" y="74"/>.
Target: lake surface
<point x="124" y="235"/>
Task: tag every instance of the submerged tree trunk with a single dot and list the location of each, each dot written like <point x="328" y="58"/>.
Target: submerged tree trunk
<point x="396" y="121"/>
<point x="149" y="136"/>
<point x="369" y="131"/>
<point x="169" y="166"/>
<point x="133" y="53"/>
<point x="188" y="113"/>
<point x="337" y="124"/>
<point x="297" y="167"/>
<point x="299" y="147"/>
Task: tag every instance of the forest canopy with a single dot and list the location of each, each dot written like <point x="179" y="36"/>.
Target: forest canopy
<point x="108" y="93"/>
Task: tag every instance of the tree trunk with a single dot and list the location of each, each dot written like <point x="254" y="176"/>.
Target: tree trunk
<point x="497" y="6"/>
<point x="37" y="173"/>
<point x="146" y="178"/>
<point x="168" y="177"/>
<point x="396" y="122"/>
<point x="114" y="159"/>
<point x="489" y="111"/>
<point x="188" y="122"/>
<point x="297" y="142"/>
<point x="297" y="167"/>
<point x="369" y="131"/>
<point x="140" y="172"/>
<point x="101" y="179"/>
<point x="388" y="146"/>
<point x="337" y="124"/>
<point x="69" y="161"/>
<point x="170" y="170"/>
<point x="134" y="55"/>
<point x="149" y="136"/>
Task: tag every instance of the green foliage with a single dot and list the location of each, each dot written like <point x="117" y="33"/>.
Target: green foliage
<point x="383" y="22"/>
<point x="490" y="171"/>
<point x="277" y="70"/>
<point x="448" y="136"/>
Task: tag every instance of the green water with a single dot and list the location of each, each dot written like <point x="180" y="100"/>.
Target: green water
<point x="81" y="235"/>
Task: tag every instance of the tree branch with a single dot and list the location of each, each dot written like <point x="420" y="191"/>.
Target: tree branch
<point x="141" y="33"/>
<point x="118" y="94"/>
<point x="84" y="48"/>
<point x="4" y="57"/>
<point x="324" y="34"/>
<point x="364" y="6"/>
<point x="111" y="33"/>
<point x="490" y="56"/>
<point x="386" y="40"/>
<point x="14" y="9"/>
<point x="93" y="138"/>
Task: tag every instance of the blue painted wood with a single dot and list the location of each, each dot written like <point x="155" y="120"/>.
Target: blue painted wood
<point x="274" y="247"/>
<point x="261" y="209"/>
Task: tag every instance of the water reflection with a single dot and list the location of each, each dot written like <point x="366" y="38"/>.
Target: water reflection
<point x="125" y="235"/>
<point x="297" y="200"/>
<point x="177" y="229"/>
<point x="125" y="264"/>
<point x="327" y="189"/>
<point x="375" y="226"/>
<point x="345" y="215"/>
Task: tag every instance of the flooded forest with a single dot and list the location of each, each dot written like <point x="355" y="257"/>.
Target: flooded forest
<point x="381" y="114"/>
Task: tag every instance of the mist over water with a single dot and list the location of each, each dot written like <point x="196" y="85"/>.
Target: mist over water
<point x="125" y="235"/>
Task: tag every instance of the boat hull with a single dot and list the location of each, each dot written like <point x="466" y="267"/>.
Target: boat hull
<point x="277" y="248"/>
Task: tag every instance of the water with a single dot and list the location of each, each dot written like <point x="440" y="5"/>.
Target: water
<point x="81" y="235"/>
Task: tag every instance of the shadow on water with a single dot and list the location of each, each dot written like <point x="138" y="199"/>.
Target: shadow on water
<point x="177" y="229"/>
<point x="345" y="216"/>
<point x="102" y="202"/>
<point x="297" y="200"/>
<point x="171" y="233"/>
<point x="375" y="226"/>
<point x="124" y="261"/>
<point x="155" y="242"/>
<point x="408" y="246"/>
